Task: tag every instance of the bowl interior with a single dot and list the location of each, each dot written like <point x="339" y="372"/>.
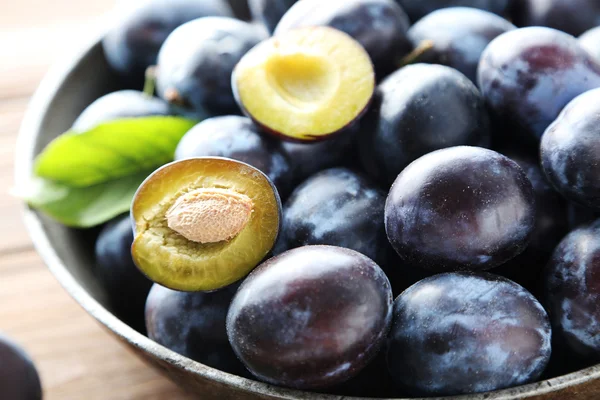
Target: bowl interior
<point x="65" y="92"/>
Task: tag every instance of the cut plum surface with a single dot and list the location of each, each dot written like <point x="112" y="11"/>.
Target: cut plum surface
<point x="204" y="223"/>
<point x="305" y="84"/>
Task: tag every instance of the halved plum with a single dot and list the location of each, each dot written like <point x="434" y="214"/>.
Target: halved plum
<point x="204" y="223"/>
<point x="305" y="84"/>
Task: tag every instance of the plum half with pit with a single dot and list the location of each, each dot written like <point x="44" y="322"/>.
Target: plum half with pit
<point x="118" y="105"/>
<point x="311" y="317"/>
<point x="464" y="208"/>
<point x="457" y="37"/>
<point x="570" y="151"/>
<point x="204" y="223"/>
<point x="19" y="379"/>
<point x="193" y="325"/>
<point x="238" y="138"/>
<point x="306" y="84"/>
<point x="573" y="291"/>
<point x="196" y="61"/>
<point x="529" y="75"/>
<point x="380" y="26"/>
<point x="126" y="286"/>
<point x="461" y="333"/>
<point x="133" y="42"/>
<point x="418" y="109"/>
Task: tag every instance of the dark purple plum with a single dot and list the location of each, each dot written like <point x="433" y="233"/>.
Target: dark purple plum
<point x="380" y="26"/>
<point x="309" y="158"/>
<point x="417" y="9"/>
<point x="551" y="226"/>
<point x="193" y="325"/>
<point x="126" y="286"/>
<point x="133" y="42"/>
<point x="19" y="379"/>
<point x="573" y="291"/>
<point x="460" y="333"/>
<point x="269" y="12"/>
<point x="590" y="41"/>
<point x="528" y="75"/>
<point x="578" y="215"/>
<point x="311" y="317"/>
<point x="196" y="62"/>
<point x="458" y="37"/>
<point x="238" y="138"/>
<point x="418" y="109"/>
<point x="464" y="208"/>
<point x="570" y="151"/>
<point x="338" y="207"/>
<point x="241" y="9"/>
<point x="570" y="16"/>
<point x="117" y="105"/>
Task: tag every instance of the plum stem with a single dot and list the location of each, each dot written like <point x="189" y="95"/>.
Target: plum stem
<point x="150" y="82"/>
<point x="417" y="53"/>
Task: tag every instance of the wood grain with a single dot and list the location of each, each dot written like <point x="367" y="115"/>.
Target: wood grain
<point x="76" y="357"/>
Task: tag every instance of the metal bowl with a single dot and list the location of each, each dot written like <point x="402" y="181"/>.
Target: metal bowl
<point x="63" y="94"/>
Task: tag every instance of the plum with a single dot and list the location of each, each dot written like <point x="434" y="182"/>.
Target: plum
<point x="117" y="105"/>
<point x="238" y="138"/>
<point x="573" y="291"/>
<point x="458" y="37"/>
<point x="311" y="317"/>
<point x="196" y="61"/>
<point x="461" y="333"/>
<point x="380" y="26"/>
<point x="193" y="325"/>
<point x="417" y="9"/>
<point x="126" y="286"/>
<point x="204" y="223"/>
<point x="19" y="379"/>
<point x="590" y="41"/>
<point x="570" y="151"/>
<point x="460" y="208"/>
<point x="269" y="12"/>
<point x="418" y="109"/>
<point x="528" y="75"/>
<point x="132" y="43"/>
<point x="570" y="16"/>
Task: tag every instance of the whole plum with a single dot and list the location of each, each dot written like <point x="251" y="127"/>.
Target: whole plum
<point x="311" y="317"/>
<point x="570" y="16"/>
<point x="528" y="75"/>
<point x="460" y="333"/>
<point x="19" y="379"/>
<point x="573" y="290"/>
<point x="460" y="208"/>
<point x="417" y="9"/>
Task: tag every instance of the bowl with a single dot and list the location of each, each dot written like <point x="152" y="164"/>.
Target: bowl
<point x="67" y="89"/>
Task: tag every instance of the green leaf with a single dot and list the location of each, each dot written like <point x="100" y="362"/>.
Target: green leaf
<point x="83" y="207"/>
<point x="111" y="150"/>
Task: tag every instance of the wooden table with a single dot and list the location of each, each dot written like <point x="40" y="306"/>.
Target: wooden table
<point x="76" y="358"/>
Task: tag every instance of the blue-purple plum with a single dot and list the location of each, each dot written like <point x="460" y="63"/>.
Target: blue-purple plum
<point x="238" y="138"/>
<point x="460" y="333"/>
<point x="196" y="62"/>
<point x="416" y="110"/>
<point x="117" y="105"/>
<point x="465" y="208"/>
<point x="193" y="325"/>
<point x="570" y="16"/>
<point x="573" y="291"/>
<point x="380" y="26"/>
<point x="417" y="9"/>
<point x="529" y="75"/>
<point x="269" y="12"/>
<point x="590" y="41"/>
<point x="131" y="45"/>
<point x="311" y="317"/>
<point x="19" y="379"/>
<point x="570" y="151"/>
<point x="458" y="37"/>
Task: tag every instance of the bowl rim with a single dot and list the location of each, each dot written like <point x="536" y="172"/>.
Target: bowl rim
<point x="33" y="122"/>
